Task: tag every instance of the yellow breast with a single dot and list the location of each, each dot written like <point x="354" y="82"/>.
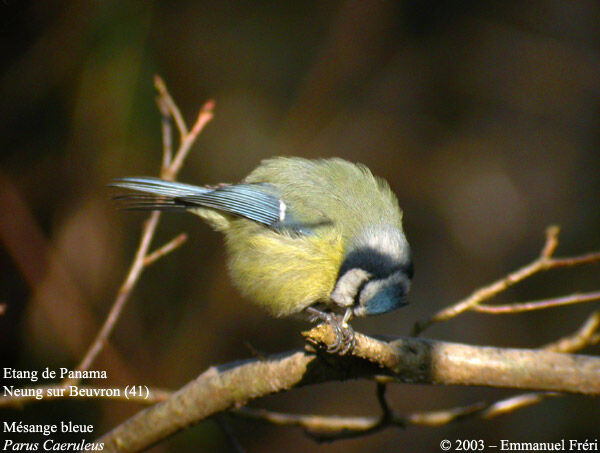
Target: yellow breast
<point x="283" y="273"/>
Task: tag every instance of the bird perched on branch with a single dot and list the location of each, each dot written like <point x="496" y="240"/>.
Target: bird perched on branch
<point x="322" y="238"/>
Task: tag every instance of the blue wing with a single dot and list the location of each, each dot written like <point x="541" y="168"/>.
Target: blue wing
<point x="257" y="202"/>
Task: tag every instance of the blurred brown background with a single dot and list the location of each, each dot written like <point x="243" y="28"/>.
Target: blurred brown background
<point x="483" y="116"/>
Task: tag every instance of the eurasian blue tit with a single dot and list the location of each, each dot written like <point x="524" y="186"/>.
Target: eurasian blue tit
<point x="316" y="237"/>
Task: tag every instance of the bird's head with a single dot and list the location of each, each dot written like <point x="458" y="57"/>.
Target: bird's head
<point x="376" y="272"/>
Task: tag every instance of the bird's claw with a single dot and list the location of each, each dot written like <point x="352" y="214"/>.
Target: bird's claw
<point x="344" y="338"/>
<point x="344" y="334"/>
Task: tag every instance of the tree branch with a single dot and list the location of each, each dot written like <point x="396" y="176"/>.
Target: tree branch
<point x="328" y="428"/>
<point x="335" y="427"/>
<point x="167" y="248"/>
<point x="168" y="107"/>
<point x="538" y="304"/>
<point x="543" y="263"/>
<point x="408" y="360"/>
<point x="587" y="335"/>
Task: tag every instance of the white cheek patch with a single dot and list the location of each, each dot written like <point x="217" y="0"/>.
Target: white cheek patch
<point x="347" y="287"/>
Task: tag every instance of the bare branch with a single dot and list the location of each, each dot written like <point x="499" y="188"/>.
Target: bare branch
<point x="586" y="335"/>
<point x="167" y="134"/>
<point x="329" y="428"/>
<point x="511" y="404"/>
<point x="589" y="258"/>
<point x="170" y="105"/>
<point x="427" y="361"/>
<point x="173" y="244"/>
<point x="122" y="295"/>
<point x="315" y="425"/>
<point x="142" y="259"/>
<point x="386" y="410"/>
<point x="205" y="115"/>
<point x="336" y="427"/>
<point x="551" y="244"/>
<point x="538" y="304"/>
<point x="409" y="360"/>
<point x="543" y="263"/>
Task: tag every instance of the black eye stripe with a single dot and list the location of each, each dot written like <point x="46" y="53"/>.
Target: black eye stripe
<point x="373" y="261"/>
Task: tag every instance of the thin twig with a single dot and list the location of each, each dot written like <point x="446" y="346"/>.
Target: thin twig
<point x="508" y="405"/>
<point x="538" y="304"/>
<point x="141" y="259"/>
<point x="386" y="410"/>
<point x="551" y="244"/>
<point x="168" y="101"/>
<point x="167" y="135"/>
<point x="586" y="335"/>
<point x="123" y="294"/>
<point x="589" y="258"/>
<point x="165" y="249"/>
<point x="443" y="416"/>
<point x="329" y="428"/>
<point x="205" y="115"/>
<point x="543" y="263"/>
<point x="315" y="426"/>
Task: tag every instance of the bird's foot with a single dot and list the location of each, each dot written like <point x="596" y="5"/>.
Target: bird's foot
<point x="344" y="333"/>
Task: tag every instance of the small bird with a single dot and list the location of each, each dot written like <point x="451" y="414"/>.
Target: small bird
<point x="320" y="238"/>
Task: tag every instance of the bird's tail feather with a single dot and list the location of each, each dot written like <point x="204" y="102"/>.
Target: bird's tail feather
<point x="157" y="194"/>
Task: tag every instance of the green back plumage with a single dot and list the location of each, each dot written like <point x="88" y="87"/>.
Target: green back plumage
<point x="347" y="194"/>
